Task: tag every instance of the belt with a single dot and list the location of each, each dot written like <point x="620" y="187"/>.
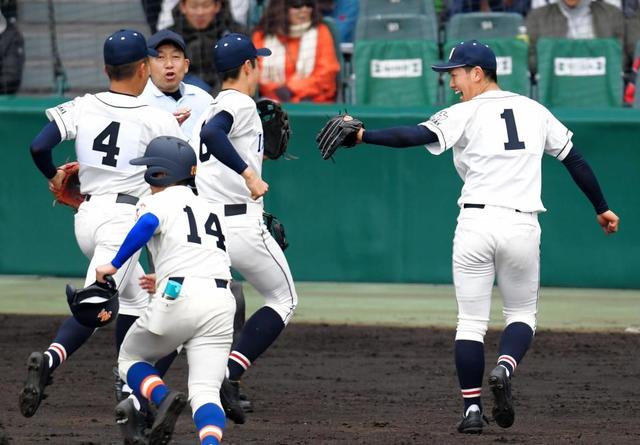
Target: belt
<point x="120" y="199"/>
<point x="235" y="209"/>
<point x="221" y="284"/>
<point x="480" y="206"/>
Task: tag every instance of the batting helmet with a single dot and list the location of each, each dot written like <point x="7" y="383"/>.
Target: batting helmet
<point x="95" y="305"/>
<point x="169" y="160"/>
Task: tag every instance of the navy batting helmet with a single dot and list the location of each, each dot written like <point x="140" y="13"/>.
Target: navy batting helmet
<point x="169" y="160"/>
<point x="95" y="305"/>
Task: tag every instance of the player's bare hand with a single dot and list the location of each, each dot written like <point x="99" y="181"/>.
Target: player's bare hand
<point x="105" y="269"/>
<point x="255" y="184"/>
<point x="182" y="114"/>
<point x="56" y="182"/>
<point x="148" y="282"/>
<point x="359" y="136"/>
<point x="609" y="222"/>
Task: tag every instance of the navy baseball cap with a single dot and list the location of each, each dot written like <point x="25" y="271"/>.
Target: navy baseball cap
<point x="469" y="53"/>
<point x="126" y="46"/>
<point x="165" y="36"/>
<point x="233" y="50"/>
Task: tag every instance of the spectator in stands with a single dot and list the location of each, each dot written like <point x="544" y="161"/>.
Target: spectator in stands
<point x="303" y="65"/>
<point x="202" y="23"/>
<point x="159" y="13"/>
<point x="11" y="57"/>
<point x="344" y="13"/>
<point x="629" y="7"/>
<point x="458" y="6"/>
<point x="581" y="19"/>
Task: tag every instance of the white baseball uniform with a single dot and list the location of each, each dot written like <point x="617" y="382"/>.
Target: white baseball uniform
<point x="253" y="251"/>
<point x="188" y="246"/>
<point x="498" y="139"/>
<point x="109" y="130"/>
<point x="193" y="97"/>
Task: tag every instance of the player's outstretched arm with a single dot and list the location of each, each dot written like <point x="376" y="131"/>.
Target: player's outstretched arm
<point x="584" y="177"/>
<point x="138" y="236"/>
<point x="398" y="137"/>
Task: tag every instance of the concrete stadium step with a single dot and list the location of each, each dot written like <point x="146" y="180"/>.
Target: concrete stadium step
<point x="87" y="11"/>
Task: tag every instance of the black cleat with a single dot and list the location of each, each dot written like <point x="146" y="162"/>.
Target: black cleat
<point x="245" y="403"/>
<point x="472" y="423"/>
<point x="38" y="376"/>
<point x="500" y="386"/>
<point x="230" y="399"/>
<point x="118" y="384"/>
<point x="132" y="423"/>
<point x="166" y="418"/>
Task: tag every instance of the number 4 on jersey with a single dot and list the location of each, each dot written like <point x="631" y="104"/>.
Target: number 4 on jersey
<point x="513" y="142"/>
<point x="110" y="148"/>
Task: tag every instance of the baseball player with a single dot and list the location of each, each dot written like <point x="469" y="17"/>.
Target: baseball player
<point x="193" y="307"/>
<point x="230" y="154"/>
<point x="109" y="129"/>
<point x="498" y="139"/>
<point x="166" y="89"/>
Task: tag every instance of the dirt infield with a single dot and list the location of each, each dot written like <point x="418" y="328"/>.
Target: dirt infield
<point x="322" y="384"/>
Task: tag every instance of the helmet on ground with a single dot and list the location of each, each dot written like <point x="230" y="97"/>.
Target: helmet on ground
<point x="169" y="160"/>
<point x="96" y="305"/>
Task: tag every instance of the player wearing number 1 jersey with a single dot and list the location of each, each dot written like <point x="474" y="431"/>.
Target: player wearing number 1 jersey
<point x="498" y="139"/>
<point x="109" y="130"/>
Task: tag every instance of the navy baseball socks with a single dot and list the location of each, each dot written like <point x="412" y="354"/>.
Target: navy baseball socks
<point x="259" y="332"/>
<point x="40" y="366"/>
<point x="514" y="343"/>
<point x="469" y="357"/>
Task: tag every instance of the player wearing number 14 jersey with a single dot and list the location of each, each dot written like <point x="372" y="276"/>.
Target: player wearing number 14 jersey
<point x="498" y="139"/>
<point x="109" y="130"/>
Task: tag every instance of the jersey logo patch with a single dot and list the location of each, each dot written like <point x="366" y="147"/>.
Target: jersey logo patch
<point x="439" y="117"/>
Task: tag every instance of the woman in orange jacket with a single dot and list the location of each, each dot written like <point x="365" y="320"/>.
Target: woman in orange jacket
<point x="303" y="65"/>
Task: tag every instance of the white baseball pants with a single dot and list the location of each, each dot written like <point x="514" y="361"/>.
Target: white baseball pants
<point x="101" y="226"/>
<point x="256" y="255"/>
<point x="201" y="319"/>
<point x="489" y="243"/>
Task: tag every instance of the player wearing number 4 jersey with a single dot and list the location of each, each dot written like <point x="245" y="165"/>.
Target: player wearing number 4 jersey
<point x="498" y="139"/>
<point x="109" y="130"/>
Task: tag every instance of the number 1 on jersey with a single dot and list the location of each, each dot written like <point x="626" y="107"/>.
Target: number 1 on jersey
<point x="512" y="132"/>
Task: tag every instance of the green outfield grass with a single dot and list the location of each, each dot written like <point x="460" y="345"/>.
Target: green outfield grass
<point x="373" y="303"/>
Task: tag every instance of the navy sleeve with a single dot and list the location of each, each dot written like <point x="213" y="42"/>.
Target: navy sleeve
<point x="400" y="137"/>
<point x="137" y="237"/>
<point x="214" y="134"/>
<point x="584" y="177"/>
<point x="42" y="146"/>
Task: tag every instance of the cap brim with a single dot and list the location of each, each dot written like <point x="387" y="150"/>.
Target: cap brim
<point x="444" y="67"/>
<point x="263" y="52"/>
<point x="152" y="52"/>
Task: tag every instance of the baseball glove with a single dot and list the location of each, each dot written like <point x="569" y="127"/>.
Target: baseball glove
<point x="339" y="131"/>
<point x="275" y="126"/>
<point x="69" y="192"/>
<point x="277" y="230"/>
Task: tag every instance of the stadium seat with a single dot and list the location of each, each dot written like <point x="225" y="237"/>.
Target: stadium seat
<point x="396" y="72"/>
<point x="579" y="73"/>
<point x="513" y="71"/>
<point x="484" y="25"/>
<point x="342" y="76"/>
<point x="369" y="8"/>
<point x="397" y="27"/>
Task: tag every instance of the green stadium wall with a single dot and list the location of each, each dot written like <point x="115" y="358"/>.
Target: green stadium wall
<point x="373" y="215"/>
